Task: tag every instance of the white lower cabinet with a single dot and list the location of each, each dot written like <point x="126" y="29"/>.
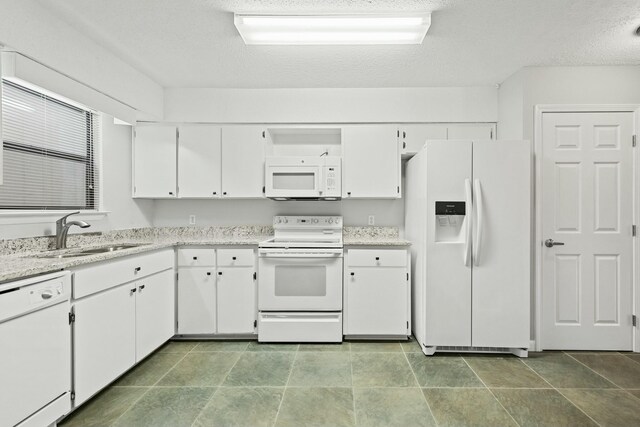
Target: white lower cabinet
<point x="196" y="300"/>
<point x="236" y="300"/>
<point x="118" y="324"/>
<point x="155" y="312"/>
<point x="216" y="291"/>
<point x="104" y="339"/>
<point x="377" y="293"/>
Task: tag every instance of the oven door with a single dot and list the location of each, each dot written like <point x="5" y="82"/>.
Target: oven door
<point x="300" y="280"/>
<point x="293" y="182"/>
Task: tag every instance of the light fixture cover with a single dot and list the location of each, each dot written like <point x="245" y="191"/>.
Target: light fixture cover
<point x="332" y="29"/>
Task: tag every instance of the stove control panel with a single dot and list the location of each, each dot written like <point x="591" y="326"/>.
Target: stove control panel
<point x="307" y="221"/>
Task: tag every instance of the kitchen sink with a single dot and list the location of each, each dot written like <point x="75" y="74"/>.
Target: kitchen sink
<point x="92" y="251"/>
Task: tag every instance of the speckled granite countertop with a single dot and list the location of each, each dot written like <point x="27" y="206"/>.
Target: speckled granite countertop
<point x="21" y="258"/>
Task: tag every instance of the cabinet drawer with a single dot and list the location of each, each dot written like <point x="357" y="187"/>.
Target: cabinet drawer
<point x="198" y="257"/>
<point x="376" y="258"/>
<point x="236" y="258"/>
<point x="92" y="278"/>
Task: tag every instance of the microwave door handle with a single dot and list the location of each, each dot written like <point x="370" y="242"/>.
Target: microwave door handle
<point x="321" y="180"/>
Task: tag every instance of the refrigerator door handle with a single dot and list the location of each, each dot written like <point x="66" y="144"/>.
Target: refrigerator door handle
<point x="468" y="221"/>
<point x="479" y="221"/>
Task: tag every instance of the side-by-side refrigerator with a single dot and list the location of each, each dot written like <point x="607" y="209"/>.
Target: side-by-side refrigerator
<point x="468" y="216"/>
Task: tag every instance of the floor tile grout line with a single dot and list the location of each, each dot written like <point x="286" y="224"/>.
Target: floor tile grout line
<point x="284" y="391"/>
<point x="149" y="387"/>
<point x="353" y="394"/>
<point x="490" y="391"/>
<point x="593" y="370"/>
<point x="415" y="377"/>
<point x="559" y="392"/>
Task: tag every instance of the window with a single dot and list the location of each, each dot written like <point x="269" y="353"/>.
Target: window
<point x="50" y="152"/>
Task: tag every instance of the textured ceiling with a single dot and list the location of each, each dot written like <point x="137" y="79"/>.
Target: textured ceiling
<point x="193" y="43"/>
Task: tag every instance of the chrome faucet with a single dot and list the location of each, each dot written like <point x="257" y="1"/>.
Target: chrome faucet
<point x="62" y="229"/>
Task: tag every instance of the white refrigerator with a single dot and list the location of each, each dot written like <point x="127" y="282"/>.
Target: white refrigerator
<point x="468" y="216"/>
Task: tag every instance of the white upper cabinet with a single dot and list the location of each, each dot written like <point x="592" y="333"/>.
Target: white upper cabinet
<point x="370" y="162"/>
<point x="413" y="137"/>
<point x="199" y="161"/>
<point x="243" y="151"/>
<point x="471" y="131"/>
<point x="154" y="162"/>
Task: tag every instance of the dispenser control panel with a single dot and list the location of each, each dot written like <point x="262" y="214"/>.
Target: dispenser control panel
<point x="450" y="208"/>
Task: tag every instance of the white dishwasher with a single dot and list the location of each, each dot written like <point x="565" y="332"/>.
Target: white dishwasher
<point x="35" y="350"/>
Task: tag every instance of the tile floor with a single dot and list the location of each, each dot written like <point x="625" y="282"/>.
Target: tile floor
<point x="365" y="384"/>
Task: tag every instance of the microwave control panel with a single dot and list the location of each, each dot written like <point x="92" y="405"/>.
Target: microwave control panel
<point x="330" y="174"/>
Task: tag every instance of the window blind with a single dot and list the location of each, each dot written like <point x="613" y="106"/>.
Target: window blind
<point x="51" y="152"/>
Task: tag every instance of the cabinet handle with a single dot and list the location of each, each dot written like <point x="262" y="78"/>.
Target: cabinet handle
<point x="195" y="258"/>
<point x="353" y="274"/>
<point x="404" y="134"/>
<point x="233" y="258"/>
<point x="133" y="291"/>
<point x="171" y="193"/>
<point x="137" y="269"/>
<point x="215" y="192"/>
<point x="208" y="273"/>
<point x="348" y="193"/>
<point x="141" y="287"/>
<point x="377" y="258"/>
<point x="219" y="273"/>
<point x="224" y="193"/>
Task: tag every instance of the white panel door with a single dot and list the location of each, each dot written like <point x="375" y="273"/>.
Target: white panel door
<point x="236" y="301"/>
<point x="104" y="339"/>
<point x="155" y="312"/>
<point x="413" y="137"/>
<point x="154" y="162"/>
<point x="376" y="301"/>
<point x="447" y="277"/>
<point x="196" y="301"/>
<point x="199" y="162"/>
<point x="471" y="131"/>
<point x="587" y="205"/>
<point x="243" y="150"/>
<point x="501" y="277"/>
<point x="370" y="162"/>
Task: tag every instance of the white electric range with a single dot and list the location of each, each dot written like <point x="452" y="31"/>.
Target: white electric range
<point x="300" y="280"/>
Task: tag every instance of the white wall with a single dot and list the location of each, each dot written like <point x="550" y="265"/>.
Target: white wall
<point x="33" y="30"/>
<point x="429" y="104"/>
<point x="125" y="212"/>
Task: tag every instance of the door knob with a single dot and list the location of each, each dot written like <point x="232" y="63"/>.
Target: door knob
<point x="550" y="243"/>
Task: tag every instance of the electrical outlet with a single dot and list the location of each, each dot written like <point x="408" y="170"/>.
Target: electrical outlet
<point x="372" y="220"/>
<point x="192" y="220"/>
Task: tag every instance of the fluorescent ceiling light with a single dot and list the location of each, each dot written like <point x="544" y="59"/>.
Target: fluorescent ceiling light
<point x="332" y="29"/>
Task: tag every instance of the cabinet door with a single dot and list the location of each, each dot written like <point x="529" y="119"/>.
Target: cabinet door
<point x="154" y="162"/>
<point x="243" y="161"/>
<point x="155" y="312"/>
<point x="104" y="339"/>
<point x="471" y="131"/>
<point x="371" y="162"/>
<point x="199" y="161"/>
<point x="236" y="301"/>
<point x="196" y="301"/>
<point x="413" y="137"/>
<point x="376" y="301"/>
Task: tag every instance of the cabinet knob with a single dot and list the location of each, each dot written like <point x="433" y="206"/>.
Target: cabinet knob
<point x="233" y="258"/>
<point x="377" y="258"/>
<point x="137" y="269"/>
<point x="224" y="193"/>
<point x="171" y="193"/>
<point x="141" y="287"/>
<point x="208" y="273"/>
<point x="353" y="274"/>
<point x="195" y="258"/>
<point x="348" y="193"/>
<point x="133" y="291"/>
<point x="215" y="192"/>
<point x="219" y="273"/>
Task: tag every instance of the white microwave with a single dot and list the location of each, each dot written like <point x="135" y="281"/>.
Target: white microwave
<point x="303" y="178"/>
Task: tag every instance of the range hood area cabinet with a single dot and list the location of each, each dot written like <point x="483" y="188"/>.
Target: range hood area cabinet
<point x="198" y="161"/>
<point x="370" y="162"/>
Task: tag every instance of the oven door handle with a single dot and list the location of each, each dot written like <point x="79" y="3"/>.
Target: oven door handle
<point x="279" y="254"/>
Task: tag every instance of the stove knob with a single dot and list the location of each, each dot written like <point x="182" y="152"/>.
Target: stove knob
<point x="315" y="220"/>
<point x="285" y="220"/>
<point x="279" y="221"/>
<point x="330" y="220"/>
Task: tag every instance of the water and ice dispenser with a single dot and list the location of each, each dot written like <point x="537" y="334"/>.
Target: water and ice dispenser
<point x="449" y="221"/>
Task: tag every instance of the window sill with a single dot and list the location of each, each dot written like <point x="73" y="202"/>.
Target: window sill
<point x="37" y="217"/>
